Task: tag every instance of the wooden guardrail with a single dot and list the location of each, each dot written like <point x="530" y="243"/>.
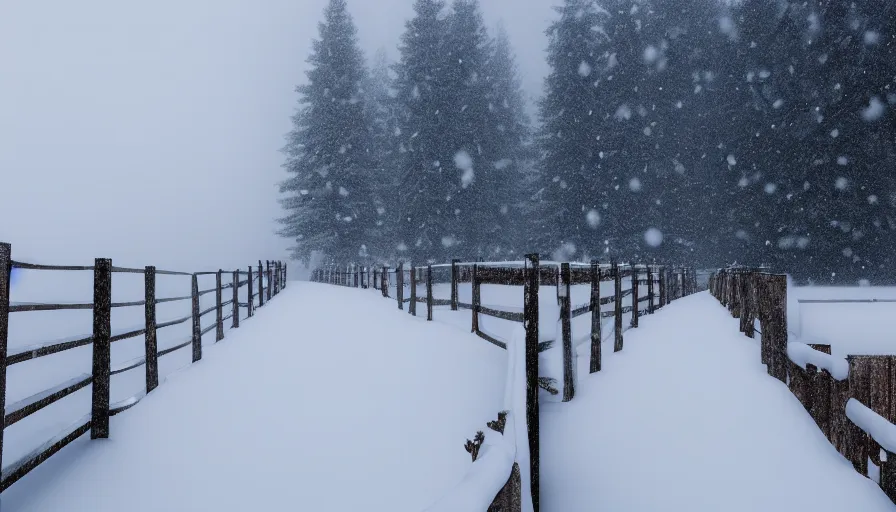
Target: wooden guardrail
<point x="852" y="400"/>
<point x="102" y="337"/>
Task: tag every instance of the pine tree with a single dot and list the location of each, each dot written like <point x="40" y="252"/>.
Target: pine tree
<point x="328" y="152"/>
<point x="511" y="157"/>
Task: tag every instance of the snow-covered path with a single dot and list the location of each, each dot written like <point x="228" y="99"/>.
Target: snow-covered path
<point x="685" y="418"/>
<point x="329" y="399"/>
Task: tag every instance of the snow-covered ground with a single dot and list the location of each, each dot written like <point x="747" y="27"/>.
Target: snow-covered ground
<point x="330" y="399"/>
<point x="686" y="418"/>
<point x="849" y="327"/>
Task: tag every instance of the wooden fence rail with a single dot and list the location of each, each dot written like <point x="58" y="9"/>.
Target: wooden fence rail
<point x="853" y="401"/>
<point x="663" y="285"/>
<point x="102" y="337"/>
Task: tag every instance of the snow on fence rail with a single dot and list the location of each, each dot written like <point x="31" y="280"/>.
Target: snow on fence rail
<point x="663" y="284"/>
<point x="853" y="401"/>
<point x="102" y="337"/>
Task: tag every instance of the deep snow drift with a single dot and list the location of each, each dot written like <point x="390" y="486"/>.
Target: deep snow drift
<point x="686" y="418"/>
<point x="329" y="399"/>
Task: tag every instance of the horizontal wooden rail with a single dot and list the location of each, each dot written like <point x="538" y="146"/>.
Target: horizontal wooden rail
<point x="28" y="406"/>
<point x="179" y="346"/>
<point x="15" y="471"/>
<point x="125" y="270"/>
<point x="173" y="322"/>
<point x="504" y="315"/>
<point x="18" y="307"/>
<point x="34" y="352"/>
<point x="126" y="404"/>
<point x="35" y="266"/>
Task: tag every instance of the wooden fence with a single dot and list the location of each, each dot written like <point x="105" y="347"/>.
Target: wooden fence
<point x="852" y="401"/>
<point x="102" y="337"/>
<point x="664" y="284"/>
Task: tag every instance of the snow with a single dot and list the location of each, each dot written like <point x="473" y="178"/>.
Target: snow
<point x="687" y="418"/>
<point x="634" y="185"/>
<point x="464" y="162"/>
<point x="653" y="237"/>
<point x="584" y="69"/>
<point x="274" y="414"/>
<point x="802" y="354"/>
<point x="874" y="424"/>
<point x="593" y="218"/>
<point x="874" y="111"/>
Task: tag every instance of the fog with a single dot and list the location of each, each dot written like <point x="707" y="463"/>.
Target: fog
<point x="150" y="133"/>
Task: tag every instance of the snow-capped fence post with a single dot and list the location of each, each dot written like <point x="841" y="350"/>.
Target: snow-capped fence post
<point x="236" y="300"/>
<point x="412" y="305"/>
<point x="5" y="275"/>
<point x="860" y="389"/>
<point x="102" y="347"/>
<point x="454" y="284"/>
<point x="197" y="329"/>
<point x="563" y="289"/>
<point x="219" y="309"/>
<point x="617" y="317"/>
<point x="270" y="285"/>
<point x="595" y="317"/>
<point x="530" y="315"/>
<point x="476" y="299"/>
<point x="635" y="290"/>
<point x="663" y="272"/>
<point x="651" y="298"/>
<point x="260" y="284"/>
<point x="151" y="344"/>
<point x="399" y="285"/>
<point x="429" y="293"/>
<point x="251" y="300"/>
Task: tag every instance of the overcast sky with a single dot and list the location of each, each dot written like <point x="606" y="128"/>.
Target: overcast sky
<point x="150" y="132"/>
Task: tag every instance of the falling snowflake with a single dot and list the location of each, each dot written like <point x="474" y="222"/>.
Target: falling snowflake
<point x="593" y="218"/>
<point x="464" y="162"/>
<point x="634" y="185"/>
<point x="584" y="69"/>
<point x="448" y="241"/>
<point x="343" y="192"/>
<point x="874" y="111"/>
<point x="770" y="188"/>
<point x="731" y="160"/>
<point x="841" y="183"/>
<point x="653" y="237"/>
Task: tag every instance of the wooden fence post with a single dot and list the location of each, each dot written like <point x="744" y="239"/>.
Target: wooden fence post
<point x="860" y="389"/>
<point x="595" y="317"/>
<point x="429" y="293"/>
<point x="284" y="274"/>
<point x="5" y="275"/>
<point x="617" y="275"/>
<point x="651" y="298"/>
<point x="399" y="285"/>
<point x="236" y="300"/>
<point x="454" y="284"/>
<point x="384" y="281"/>
<point x="530" y="314"/>
<point x="476" y="298"/>
<point x="251" y="300"/>
<point x="150" y="340"/>
<point x="412" y="306"/>
<point x="563" y="289"/>
<point x="270" y="284"/>
<point x="219" y="310"/>
<point x="663" y="297"/>
<point x="635" y="295"/>
<point x="261" y="284"/>
<point x="102" y="347"/>
<point x="197" y="328"/>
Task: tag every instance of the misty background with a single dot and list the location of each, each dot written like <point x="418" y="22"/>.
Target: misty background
<point x="151" y="133"/>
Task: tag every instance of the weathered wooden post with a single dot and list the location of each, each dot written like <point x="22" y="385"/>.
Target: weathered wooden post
<point x="663" y="297"/>
<point x="260" y="284"/>
<point x="251" y="298"/>
<point x="860" y="389"/>
<point x="530" y="314"/>
<point x="102" y="347"/>
<point x="5" y="275"/>
<point x="219" y="309"/>
<point x="429" y="293"/>
<point x="569" y="385"/>
<point x="412" y="305"/>
<point x="399" y="285"/>
<point x="384" y="281"/>
<point x="270" y="285"/>
<point x="476" y="298"/>
<point x="197" y="328"/>
<point x="595" y="317"/>
<point x="651" y="299"/>
<point x="617" y="283"/>
<point x="635" y="295"/>
<point x="236" y="300"/>
<point x="151" y="344"/>
<point x="454" y="284"/>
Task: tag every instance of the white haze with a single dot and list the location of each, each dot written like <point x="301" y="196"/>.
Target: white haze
<point x="150" y="132"/>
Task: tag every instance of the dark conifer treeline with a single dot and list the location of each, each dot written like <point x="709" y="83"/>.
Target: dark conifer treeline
<point x="762" y="131"/>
